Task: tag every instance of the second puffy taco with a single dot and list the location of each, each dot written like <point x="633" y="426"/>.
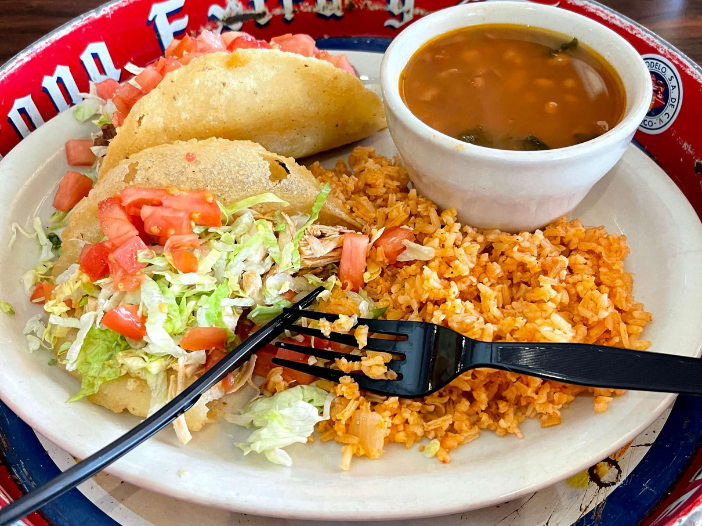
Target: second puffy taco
<point x="291" y="104"/>
<point x="174" y="256"/>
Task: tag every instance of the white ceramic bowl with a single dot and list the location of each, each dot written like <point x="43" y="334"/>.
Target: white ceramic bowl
<point x="510" y="190"/>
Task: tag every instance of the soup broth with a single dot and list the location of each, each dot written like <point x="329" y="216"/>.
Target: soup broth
<point x="513" y="87"/>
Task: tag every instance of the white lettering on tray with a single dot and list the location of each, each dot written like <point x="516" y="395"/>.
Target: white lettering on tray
<point x="165" y="29"/>
<point x="62" y="75"/>
<point x="21" y="109"/>
<point x="402" y="8"/>
<point x="97" y="51"/>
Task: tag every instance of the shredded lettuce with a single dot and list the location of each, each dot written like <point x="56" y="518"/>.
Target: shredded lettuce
<point x="262" y="314"/>
<point x="314" y="215"/>
<point x="34" y="332"/>
<point x="149" y="368"/>
<point x="377" y="313"/>
<point x="253" y="201"/>
<point x="283" y="419"/>
<point x="86" y="322"/>
<point x="86" y="109"/>
<point x="58" y="219"/>
<point x="6" y="307"/>
<point x="210" y="312"/>
<point x="96" y="361"/>
<point x="157" y="309"/>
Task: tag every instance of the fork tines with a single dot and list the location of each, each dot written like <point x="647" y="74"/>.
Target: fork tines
<point x="374" y="344"/>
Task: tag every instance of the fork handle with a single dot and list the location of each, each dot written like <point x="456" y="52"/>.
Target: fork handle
<point x="599" y="366"/>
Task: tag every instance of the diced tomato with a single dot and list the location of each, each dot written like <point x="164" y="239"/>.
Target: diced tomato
<point x="353" y="261"/>
<point x="209" y="42"/>
<point x="93" y="260"/>
<point x="171" y="65"/>
<point x="184" y="260"/>
<point x="117" y="119"/>
<point x="127" y="321"/>
<point x="127" y="253"/>
<point x="186" y="45"/>
<point x="300" y="378"/>
<point x="189" y="57"/>
<point x="391" y="242"/>
<point x="172" y="47"/>
<point x="165" y="222"/>
<point x="263" y="360"/>
<point x="301" y="44"/>
<point x="247" y="42"/>
<point x="122" y="280"/>
<point x="289" y="295"/>
<point x="121" y="105"/>
<point x="204" y="339"/>
<point x="228" y="36"/>
<point x="129" y="94"/>
<point x="42" y="292"/>
<point x="78" y="152"/>
<point x="148" y="79"/>
<point x="181" y="241"/>
<point x="229" y="382"/>
<point x="73" y="187"/>
<point x="214" y="356"/>
<point x="160" y="64"/>
<point x="107" y="88"/>
<point x="340" y="61"/>
<point x="201" y="205"/>
<point x="86" y="248"/>
<point x="114" y="221"/>
<point x="265" y="356"/>
<point x="134" y="198"/>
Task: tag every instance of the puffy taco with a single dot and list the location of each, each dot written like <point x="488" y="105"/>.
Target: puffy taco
<point x="174" y="256"/>
<point x="286" y="95"/>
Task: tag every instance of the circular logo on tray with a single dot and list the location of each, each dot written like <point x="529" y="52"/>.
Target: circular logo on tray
<point x="667" y="95"/>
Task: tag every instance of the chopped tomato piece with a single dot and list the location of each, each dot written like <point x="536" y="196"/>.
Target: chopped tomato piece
<point x="134" y="198"/>
<point x="184" y="260"/>
<point x="340" y="61"/>
<point x="228" y="36"/>
<point x="189" y="57"/>
<point x="117" y="119"/>
<point x="122" y="280"/>
<point x="172" y="47"/>
<point x="107" y="88"/>
<point x="165" y="222"/>
<point x="391" y="242"/>
<point x="229" y="382"/>
<point x="263" y="360"/>
<point x="171" y="65"/>
<point x="247" y="42"/>
<point x="353" y="261"/>
<point x="73" y="187"/>
<point x="127" y="321"/>
<point x="121" y="105"/>
<point x="186" y="45"/>
<point x="209" y="42"/>
<point x="115" y="222"/>
<point x="301" y="44"/>
<point x="300" y="378"/>
<point x="214" y="356"/>
<point x="148" y="79"/>
<point x="129" y="94"/>
<point x="181" y="241"/>
<point x="78" y="152"/>
<point x="127" y="253"/>
<point x="160" y="64"/>
<point x="201" y="205"/>
<point x="93" y="260"/>
<point x="42" y="292"/>
<point x="204" y="339"/>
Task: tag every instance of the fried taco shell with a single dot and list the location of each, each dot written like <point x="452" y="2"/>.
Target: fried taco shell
<point x="290" y="104"/>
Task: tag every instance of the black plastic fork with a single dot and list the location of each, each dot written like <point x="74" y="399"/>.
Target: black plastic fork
<point x="428" y="357"/>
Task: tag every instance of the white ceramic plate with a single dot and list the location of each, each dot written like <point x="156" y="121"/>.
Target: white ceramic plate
<point x="636" y="198"/>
